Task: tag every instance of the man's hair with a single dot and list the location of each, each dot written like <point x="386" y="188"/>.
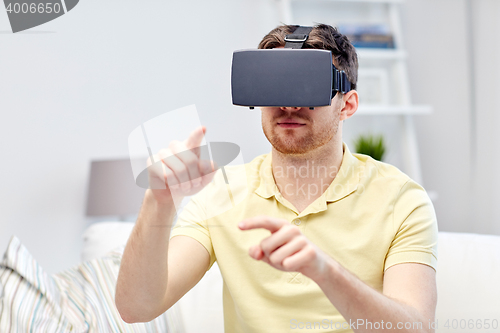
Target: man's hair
<point x="323" y="37"/>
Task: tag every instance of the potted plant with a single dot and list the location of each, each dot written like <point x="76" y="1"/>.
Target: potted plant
<point x="371" y="145"/>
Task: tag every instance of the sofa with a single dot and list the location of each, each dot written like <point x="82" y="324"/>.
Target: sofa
<point x="81" y="298"/>
<point x="468" y="282"/>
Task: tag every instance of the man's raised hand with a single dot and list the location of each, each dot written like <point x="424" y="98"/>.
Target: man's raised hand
<point x="181" y="172"/>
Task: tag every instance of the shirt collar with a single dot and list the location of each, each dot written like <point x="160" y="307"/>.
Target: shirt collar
<point x="267" y="187"/>
<point x="346" y="181"/>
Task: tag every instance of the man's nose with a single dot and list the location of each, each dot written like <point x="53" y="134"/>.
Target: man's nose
<point x="290" y="108"/>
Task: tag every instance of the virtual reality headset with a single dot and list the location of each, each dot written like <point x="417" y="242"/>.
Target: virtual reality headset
<point x="292" y="76"/>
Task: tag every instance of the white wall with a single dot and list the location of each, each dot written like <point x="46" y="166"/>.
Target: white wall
<point x="459" y="141"/>
<point x="485" y="215"/>
<point x="439" y="75"/>
<point x="73" y="89"/>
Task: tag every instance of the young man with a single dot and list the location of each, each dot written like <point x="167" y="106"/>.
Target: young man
<point x="323" y="239"/>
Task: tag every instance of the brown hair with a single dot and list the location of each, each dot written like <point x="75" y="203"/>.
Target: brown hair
<point x="323" y="37"/>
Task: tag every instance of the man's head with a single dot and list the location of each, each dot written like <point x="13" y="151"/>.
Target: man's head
<point x="296" y="131"/>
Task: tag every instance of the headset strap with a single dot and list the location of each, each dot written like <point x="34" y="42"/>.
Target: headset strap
<point x="297" y="39"/>
<point x="340" y="81"/>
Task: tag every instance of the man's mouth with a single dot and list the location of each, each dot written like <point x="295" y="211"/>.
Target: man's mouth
<point x="289" y="123"/>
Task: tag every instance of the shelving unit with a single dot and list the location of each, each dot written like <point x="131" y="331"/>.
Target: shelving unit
<point x="374" y="110"/>
<point x="389" y="63"/>
<point x="381" y="54"/>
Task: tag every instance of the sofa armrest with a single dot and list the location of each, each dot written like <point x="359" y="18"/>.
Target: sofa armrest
<point x="468" y="273"/>
<point x="101" y="238"/>
<point x="200" y="309"/>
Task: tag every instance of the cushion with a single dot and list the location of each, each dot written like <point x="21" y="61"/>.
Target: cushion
<point x="468" y="276"/>
<point x="80" y="299"/>
<point x="101" y="238"/>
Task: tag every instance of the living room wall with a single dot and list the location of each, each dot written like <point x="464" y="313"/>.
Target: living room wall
<point x="73" y="89"/>
<point x="454" y="66"/>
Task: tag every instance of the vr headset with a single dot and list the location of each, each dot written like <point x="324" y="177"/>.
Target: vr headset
<point x="292" y="76"/>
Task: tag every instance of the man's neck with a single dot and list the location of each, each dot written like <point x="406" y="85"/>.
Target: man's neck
<point x="303" y="178"/>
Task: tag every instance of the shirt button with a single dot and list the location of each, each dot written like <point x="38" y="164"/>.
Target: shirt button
<point x="297" y="222"/>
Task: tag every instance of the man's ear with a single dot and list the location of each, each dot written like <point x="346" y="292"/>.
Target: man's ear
<point x="350" y="103"/>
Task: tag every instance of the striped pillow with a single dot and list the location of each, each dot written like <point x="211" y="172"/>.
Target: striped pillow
<point x="80" y="299"/>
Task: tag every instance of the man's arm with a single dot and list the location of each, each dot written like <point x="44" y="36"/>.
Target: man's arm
<point x="149" y="283"/>
<point x="155" y="272"/>
<point x="408" y="302"/>
<point x="409" y="293"/>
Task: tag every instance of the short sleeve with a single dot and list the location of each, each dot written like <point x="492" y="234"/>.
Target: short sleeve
<point x="191" y="222"/>
<point x="415" y="226"/>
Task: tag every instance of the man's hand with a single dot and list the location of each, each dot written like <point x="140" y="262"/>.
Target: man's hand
<point x="181" y="172"/>
<point x="287" y="249"/>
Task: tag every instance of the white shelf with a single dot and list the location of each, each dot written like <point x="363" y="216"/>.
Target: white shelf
<point x="380" y="54"/>
<point x="394" y="109"/>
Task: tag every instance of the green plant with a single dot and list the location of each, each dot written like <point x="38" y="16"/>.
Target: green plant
<point x="372" y="145"/>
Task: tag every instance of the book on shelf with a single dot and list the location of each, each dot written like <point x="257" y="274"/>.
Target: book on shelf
<point x="368" y="36"/>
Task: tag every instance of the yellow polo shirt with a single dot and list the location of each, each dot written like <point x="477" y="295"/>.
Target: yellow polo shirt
<point x="371" y="217"/>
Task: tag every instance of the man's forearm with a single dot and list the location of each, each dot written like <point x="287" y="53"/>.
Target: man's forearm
<point x="359" y="303"/>
<point x="142" y="280"/>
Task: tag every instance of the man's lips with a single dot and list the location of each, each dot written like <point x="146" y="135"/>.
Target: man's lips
<point x="290" y="124"/>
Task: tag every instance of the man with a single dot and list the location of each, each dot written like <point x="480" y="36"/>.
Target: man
<point x="323" y="240"/>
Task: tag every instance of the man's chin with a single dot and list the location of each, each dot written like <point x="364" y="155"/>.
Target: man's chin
<point x="291" y="149"/>
<point x="291" y="145"/>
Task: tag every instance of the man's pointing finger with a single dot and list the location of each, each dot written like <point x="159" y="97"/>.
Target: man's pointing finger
<point x="265" y="222"/>
<point x="195" y="138"/>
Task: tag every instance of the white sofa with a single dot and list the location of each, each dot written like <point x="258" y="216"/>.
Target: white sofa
<point x="468" y="280"/>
